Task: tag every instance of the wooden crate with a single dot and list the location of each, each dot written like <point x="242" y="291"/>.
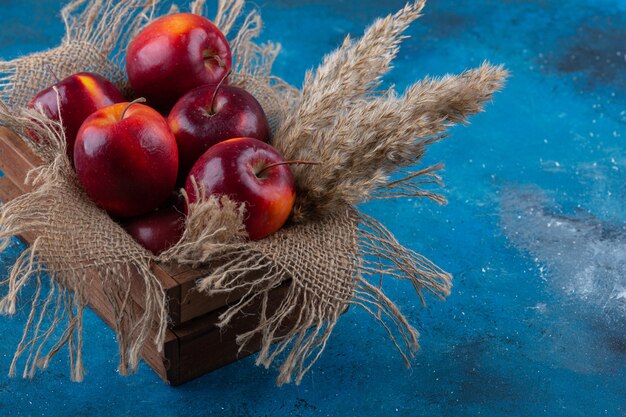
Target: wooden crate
<point x="193" y="345"/>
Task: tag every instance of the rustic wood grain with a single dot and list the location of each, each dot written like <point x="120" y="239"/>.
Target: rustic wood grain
<point x="204" y="347"/>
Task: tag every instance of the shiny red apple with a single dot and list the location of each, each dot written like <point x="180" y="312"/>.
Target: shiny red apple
<point x="174" y="54"/>
<point x="244" y="170"/>
<point x="126" y="159"/>
<point x="211" y="114"/>
<point x="157" y="231"/>
<point x="79" y="96"/>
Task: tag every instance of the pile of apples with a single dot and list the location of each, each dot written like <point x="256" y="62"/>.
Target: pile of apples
<point x="131" y="158"/>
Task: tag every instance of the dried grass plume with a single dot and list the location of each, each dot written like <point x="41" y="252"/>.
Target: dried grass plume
<point x="362" y="136"/>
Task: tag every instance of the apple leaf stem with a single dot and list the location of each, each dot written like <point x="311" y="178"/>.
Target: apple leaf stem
<point x="212" y="111"/>
<point x="52" y="73"/>
<point x="290" y="162"/>
<point x="135" y="101"/>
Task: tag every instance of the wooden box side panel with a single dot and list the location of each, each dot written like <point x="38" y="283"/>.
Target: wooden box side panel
<point x="204" y="347"/>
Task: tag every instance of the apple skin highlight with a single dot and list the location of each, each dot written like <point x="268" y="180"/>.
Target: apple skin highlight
<point x="236" y="168"/>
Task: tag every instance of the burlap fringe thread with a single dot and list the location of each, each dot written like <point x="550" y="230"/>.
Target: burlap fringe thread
<point x="333" y="255"/>
<point x="75" y="242"/>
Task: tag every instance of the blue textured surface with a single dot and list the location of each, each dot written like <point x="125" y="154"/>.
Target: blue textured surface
<point x="533" y="233"/>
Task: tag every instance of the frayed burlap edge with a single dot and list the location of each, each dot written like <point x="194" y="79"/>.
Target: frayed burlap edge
<point x="363" y="254"/>
<point x="65" y="222"/>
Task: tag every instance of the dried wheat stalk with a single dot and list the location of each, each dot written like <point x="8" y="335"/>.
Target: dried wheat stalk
<point x="362" y="137"/>
<point x="347" y="74"/>
<point x="369" y="140"/>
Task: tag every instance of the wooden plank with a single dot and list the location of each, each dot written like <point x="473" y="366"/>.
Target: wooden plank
<point x="8" y="190"/>
<point x="173" y="268"/>
<point x="204" y="347"/>
<point x="16" y="159"/>
<point x="195" y="303"/>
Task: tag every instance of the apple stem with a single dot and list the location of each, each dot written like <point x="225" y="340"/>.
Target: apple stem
<point x="219" y="60"/>
<point x="51" y="73"/>
<point x="206" y="55"/>
<point x="135" y="101"/>
<point x="212" y="111"/>
<point x="291" y="162"/>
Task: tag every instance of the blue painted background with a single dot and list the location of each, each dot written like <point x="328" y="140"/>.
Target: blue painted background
<point x="534" y="232"/>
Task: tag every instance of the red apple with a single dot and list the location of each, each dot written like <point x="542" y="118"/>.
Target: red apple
<point x="79" y="96"/>
<point x="174" y="54"/>
<point x="157" y="231"/>
<point x="240" y="168"/>
<point x="211" y="114"/>
<point x="126" y="159"/>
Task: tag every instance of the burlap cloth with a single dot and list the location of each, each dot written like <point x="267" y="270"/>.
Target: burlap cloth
<point x="334" y="255"/>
